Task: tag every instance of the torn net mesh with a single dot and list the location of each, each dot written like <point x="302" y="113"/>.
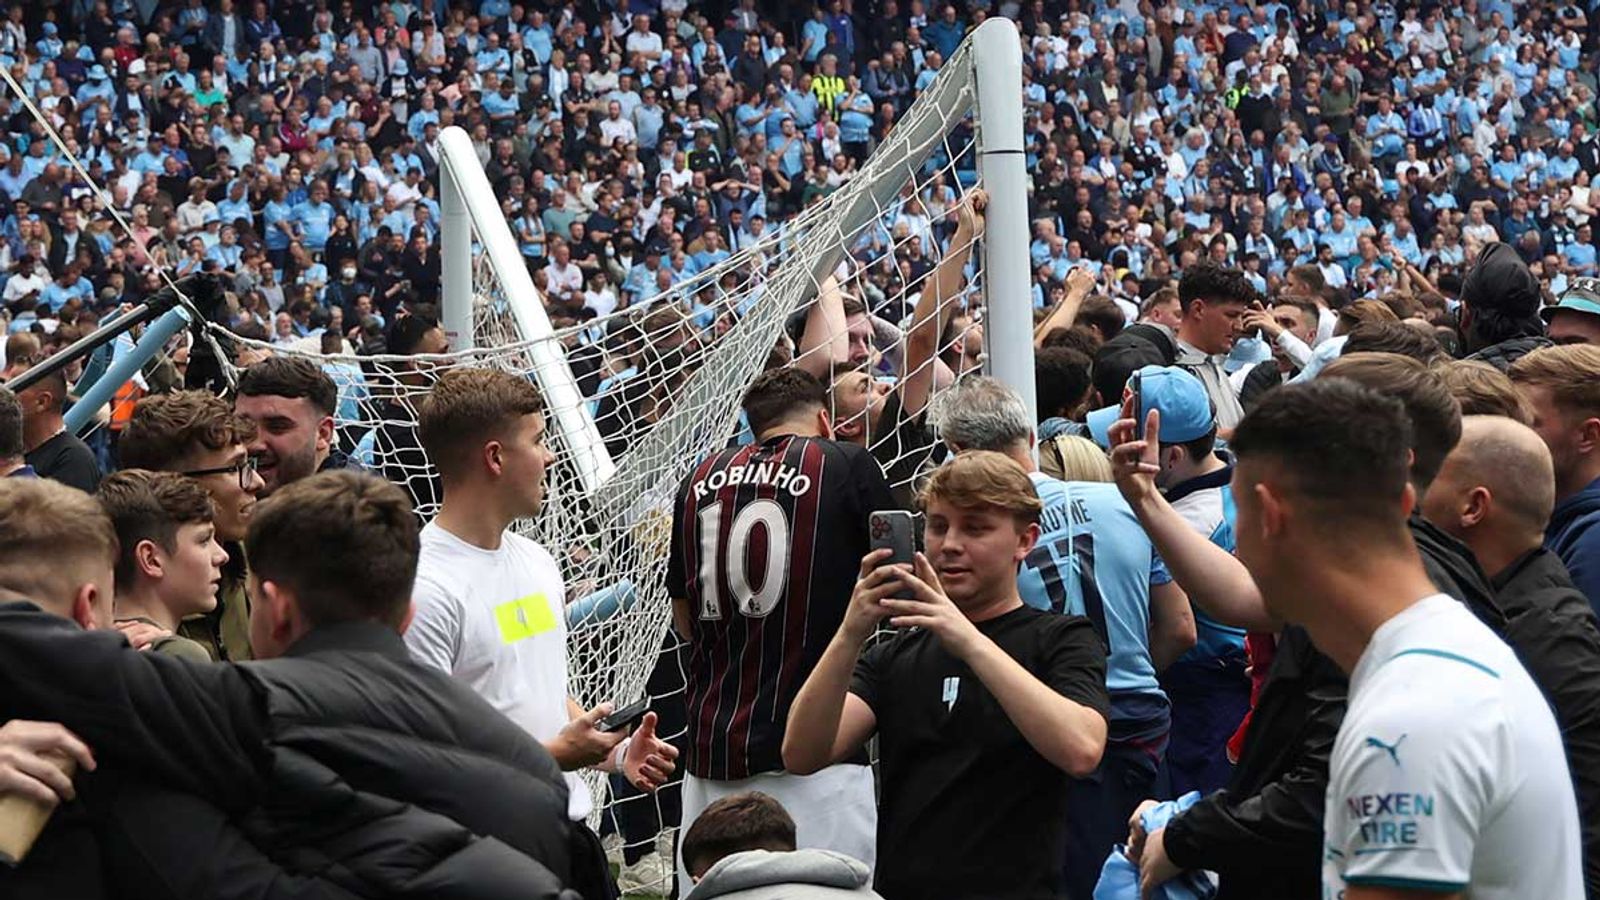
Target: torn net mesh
<point x="674" y="368"/>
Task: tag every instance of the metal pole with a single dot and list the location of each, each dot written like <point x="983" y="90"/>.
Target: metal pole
<point x="566" y="402"/>
<point x="1008" y="327"/>
<point x="117" y="374"/>
<point x="82" y="346"/>
<point x="455" y="245"/>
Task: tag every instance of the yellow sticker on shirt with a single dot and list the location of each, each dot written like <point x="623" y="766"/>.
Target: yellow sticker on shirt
<point x="524" y="618"/>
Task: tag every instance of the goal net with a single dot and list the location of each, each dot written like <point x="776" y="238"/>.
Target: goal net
<point x="637" y="397"/>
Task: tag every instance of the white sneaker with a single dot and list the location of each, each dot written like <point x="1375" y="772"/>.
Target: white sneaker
<point x="651" y="875"/>
<point x="612" y="844"/>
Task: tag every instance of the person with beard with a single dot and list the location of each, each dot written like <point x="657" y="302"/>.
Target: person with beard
<point x="199" y="435"/>
<point x="291" y="401"/>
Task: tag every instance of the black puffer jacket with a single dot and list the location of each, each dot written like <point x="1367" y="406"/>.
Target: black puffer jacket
<point x="343" y="759"/>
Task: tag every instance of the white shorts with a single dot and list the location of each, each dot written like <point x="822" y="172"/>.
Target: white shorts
<point x="834" y="809"/>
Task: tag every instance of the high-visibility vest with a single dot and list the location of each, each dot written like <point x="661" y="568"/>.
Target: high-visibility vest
<point x="828" y="88"/>
<point x="122" y="403"/>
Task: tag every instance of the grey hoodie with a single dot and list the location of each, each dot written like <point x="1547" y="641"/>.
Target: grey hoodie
<point x="796" y="875"/>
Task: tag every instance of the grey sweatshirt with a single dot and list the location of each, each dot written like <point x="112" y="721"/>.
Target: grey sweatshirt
<point x="797" y="875"/>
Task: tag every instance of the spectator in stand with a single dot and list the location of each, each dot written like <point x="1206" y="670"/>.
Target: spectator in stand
<point x="1027" y="714"/>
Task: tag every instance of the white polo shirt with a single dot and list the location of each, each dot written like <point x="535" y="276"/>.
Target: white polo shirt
<point x="496" y="619"/>
<point x="1448" y="773"/>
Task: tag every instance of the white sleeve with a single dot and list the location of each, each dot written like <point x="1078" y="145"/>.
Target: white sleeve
<point x="434" y="636"/>
<point x="1412" y="791"/>
<point x="1294" y="348"/>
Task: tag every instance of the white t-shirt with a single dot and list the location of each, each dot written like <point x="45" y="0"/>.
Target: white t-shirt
<point x="496" y="619"/>
<point x="1448" y="773"/>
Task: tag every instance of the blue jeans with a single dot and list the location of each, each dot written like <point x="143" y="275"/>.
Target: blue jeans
<point x="1209" y="700"/>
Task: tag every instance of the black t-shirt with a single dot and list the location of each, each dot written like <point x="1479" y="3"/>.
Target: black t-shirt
<point x="968" y="808"/>
<point x="905" y="448"/>
<point x="766" y="542"/>
<point x="67" y="459"/>
<point x="402" y="460"/>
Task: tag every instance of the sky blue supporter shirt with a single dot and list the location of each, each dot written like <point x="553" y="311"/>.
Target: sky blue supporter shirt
<point x="1094" y="559"/>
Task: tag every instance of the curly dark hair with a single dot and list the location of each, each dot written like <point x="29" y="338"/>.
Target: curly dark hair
<point x="293" y="377"/>
<point x="1215" y="284"/>
<point x="167" y="429"/>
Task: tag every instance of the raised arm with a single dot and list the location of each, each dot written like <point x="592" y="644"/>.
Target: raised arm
<point x="933" y="310"/>
<point x="826" y="338"/>
<point x="1210" y="575"/>
<point x="1080" y="281"/>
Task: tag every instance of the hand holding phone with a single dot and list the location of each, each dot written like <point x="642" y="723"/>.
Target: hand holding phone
<point x="894" y="529"/>
<point x="624" y="718"/>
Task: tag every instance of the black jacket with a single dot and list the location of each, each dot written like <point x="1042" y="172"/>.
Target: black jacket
<point x="1552" y="627"/>
<point x="1263" y="833"/>
<point x="342" y="759"/>
<point x="1503" y="354"/>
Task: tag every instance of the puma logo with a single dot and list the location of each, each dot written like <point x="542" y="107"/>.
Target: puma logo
<point x="1392" y="749"/>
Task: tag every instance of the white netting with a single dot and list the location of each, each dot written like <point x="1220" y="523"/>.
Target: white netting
<point x="663" y="380"/>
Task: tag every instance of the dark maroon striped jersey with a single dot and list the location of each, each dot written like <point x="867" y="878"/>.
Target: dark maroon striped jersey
<point x="766" y="542"/>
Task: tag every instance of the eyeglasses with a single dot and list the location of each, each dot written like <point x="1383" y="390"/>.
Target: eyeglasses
<point x="246" y="468"/>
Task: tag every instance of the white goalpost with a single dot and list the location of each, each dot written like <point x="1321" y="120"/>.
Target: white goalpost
<point x="658" y="385"/>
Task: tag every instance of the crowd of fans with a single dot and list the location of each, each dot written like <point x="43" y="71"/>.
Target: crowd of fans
<point x="1313" y="284"/>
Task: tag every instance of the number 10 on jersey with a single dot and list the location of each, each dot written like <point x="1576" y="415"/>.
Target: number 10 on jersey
<point x="725" y="567"/>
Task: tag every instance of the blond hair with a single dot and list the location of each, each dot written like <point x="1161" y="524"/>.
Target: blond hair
<point x="1571" y="372"/>
<point x="983" y="478"/>
<point x="53" y="539"/>
<point x="1483" y="390"/>
<point x="1073" y="458"/>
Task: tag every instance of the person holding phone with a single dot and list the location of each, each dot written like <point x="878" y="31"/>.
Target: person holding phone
<point x="983" y="706"/>
<point x="1092" y="559"/>
<point x="490" y="604"/>
<point x="758" y="533"/>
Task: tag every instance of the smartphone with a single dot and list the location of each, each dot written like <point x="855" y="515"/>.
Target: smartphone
<point x="624" y="718"/>
<point x="1136" y="388"/>
<point x="894" y="529"/>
